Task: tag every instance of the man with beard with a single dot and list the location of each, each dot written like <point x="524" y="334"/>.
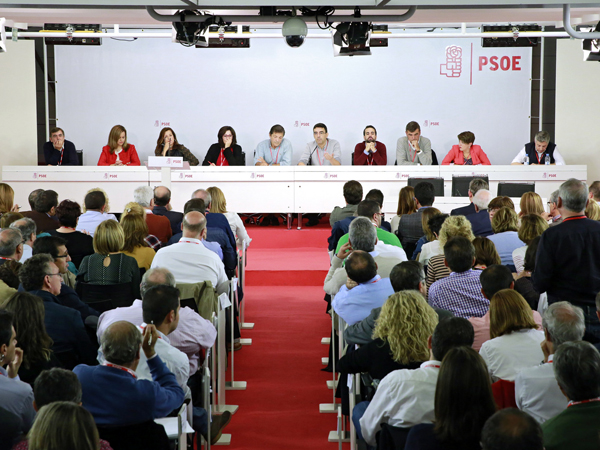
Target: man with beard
<point x="370" y="152"/>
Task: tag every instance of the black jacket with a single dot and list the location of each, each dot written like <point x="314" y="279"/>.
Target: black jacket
<point x="234" y="157"/>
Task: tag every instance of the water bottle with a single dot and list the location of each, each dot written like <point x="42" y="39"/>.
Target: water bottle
<point x="526" y="163"/>
<point x="547" y="159"/>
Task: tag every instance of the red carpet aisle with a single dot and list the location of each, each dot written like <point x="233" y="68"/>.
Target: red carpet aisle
<point x="280" y="408"/>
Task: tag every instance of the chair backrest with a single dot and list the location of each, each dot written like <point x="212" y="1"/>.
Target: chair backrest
<point x="391" y="438"/>
<point x="460" y="184"/>
<point x="143" y="436"/>
<point x="205" y="296"/>
<point x="515" y="189"/>
<point x="352" y="158"/>
<point x="434" y="160"/>
<point x="119" y="294"/>
<point x="79" y="157"/>
<point x="438" y="183"/>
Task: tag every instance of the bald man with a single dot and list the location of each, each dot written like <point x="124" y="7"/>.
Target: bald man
<point x="162" y="207"/>
<point x="189" y="260"/>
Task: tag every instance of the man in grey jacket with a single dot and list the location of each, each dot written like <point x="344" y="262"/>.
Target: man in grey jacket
<point x="413" y="149"/>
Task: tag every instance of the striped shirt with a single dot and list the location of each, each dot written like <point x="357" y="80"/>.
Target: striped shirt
<point x="461" y="294"/>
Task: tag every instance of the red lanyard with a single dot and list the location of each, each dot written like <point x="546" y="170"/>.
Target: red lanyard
<point x="435" y="366"/>
<point x="221" y="159"/>
<point x="571" y="403"/>
<point x="415" y="155"/>
<point x="8" y="259"/>
<point x="277" y="157"/>
<point x="324" y="151"/>
<point x="188" y="241"/>
<point x="124" y="369"/>
<point x="574" y="218"/>
<point x="62" y="150"/>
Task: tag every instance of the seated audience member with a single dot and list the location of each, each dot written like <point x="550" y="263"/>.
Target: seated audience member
<point x="162" y="201"/>
<point x="594" y="191"/>
<point x="429" y="235"/>
<point x="480" y="220"/>
<point x="27" y="228"/>
<point x="364" y="289"/>
<point x="118" y="152"/>
<point x="523" y="283"/>
<point x="135" y="231"/>
<point x="362" y="236"/>
<point x="536" y="390"/>
<point x="353" y="194"/>
<point x="574" y="276"/>
<point x="58" y="151"/>
<point x="96" y="207"/>
<point x="56" y="248"/>
<point x="531" y="203"/>
<point x="219" y="205"/>
<point x="452" y="226"/>
<point x="410" y="229"/>
<point x="322" y="151"/>
<point x="463" y="403"/>
<point x="413" y="149"/>
<point x="554" y="213"/>
<point x="136" y="209"/>
<point x="113" y="395"/>
<point x="7" y="199"/>
<point x="592" y="210"/>
<point x="577" y="371"/>
<point x="465" y="153"/>
<point x="377" y="196"/>
<point x="9" y="274"/>
<point x="189" y="260"/>
<point x="41" y="277"/>
<point x="460" y="292"/>
<point x="167" y="145"/>
<point x="485" y="253"/>
<point x="109" y="265"/>
<point x="536" y="152"/>
<point x="493" y="279"/>
<point x="406" y="205"/>
<point x="515" y="338"/>
<point x="193" y="333"/>
<point x="43" y="211"/>
<point x="79" y="244"/>
<point x="28" y="320"/>
<point x="372" y="211"/>
<point x="11" y="245"/>
<point x="475" y="185"/>
<point x="32" y="196"/>
<point x="16" y="395"/>
<point x="11" y="431"/>
<point x="215" y="219"/>
<point x="275" y="151"/>
<point x="511" y="429"/>
<point x="370" y="152"/>
<point x="8" y="218"/>
<point x="506" y="234"/>
<point x="158" y="226"/>
<point x="226" y="152"/>
<point x="499" y="202"/>
<point x="405" y="398"/>
<point x="532" y="226"/>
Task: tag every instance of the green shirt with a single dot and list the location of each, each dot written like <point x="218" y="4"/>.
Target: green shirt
<point x="384" y="236"/>
<point x="577" y="427"/>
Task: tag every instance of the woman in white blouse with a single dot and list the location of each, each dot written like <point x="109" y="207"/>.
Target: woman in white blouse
<point x="515" y="337"/>
<point x="219" y="205"/>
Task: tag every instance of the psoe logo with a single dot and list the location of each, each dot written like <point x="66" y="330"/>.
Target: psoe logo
<point x="453" y="66"/>
<point x="168" y="160"/>
<point x="181" y="176"/>
<point x="105" y="176"/>
<point x="160" y="123"/>
<point x="35" y="175"/>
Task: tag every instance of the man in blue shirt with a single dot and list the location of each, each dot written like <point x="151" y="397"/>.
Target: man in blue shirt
<point x="275" y="151"/>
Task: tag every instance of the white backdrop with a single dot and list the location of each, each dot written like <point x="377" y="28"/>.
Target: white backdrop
<point x="150" y="82"/>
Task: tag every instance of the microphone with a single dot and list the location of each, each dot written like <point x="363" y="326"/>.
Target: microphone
<point x="310" y="157"/>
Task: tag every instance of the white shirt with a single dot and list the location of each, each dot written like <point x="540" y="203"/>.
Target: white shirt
<point x="429" y="250"/>
<point x="558" y="159"/>
<point x="507" y="355"/>
<point x="390" y="251"/>
<point x="238" y="229"/>
<point x="518" y="256"/>
<point x="27" y="253"/>
<point x="193" y="333"/>
<point x="537" y="392"/>
<point x="192" y="262"/>
<point x="89" y="220"/>
<point x="404" y="398"/>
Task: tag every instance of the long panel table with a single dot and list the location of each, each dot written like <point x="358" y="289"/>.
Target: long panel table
<point x="252" y="189"/>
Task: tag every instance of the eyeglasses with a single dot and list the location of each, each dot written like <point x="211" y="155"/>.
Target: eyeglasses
<point x="228" y="135"/>
<point x="54" y="274"/>
<point x="66" y="255"/>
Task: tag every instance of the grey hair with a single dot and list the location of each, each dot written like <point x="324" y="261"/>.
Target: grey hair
<point x="362" y="234"/>
<point x="564" y="322"/>
<point x="121" y="343"/>
<point x="10" y="238"/>
<point x="26" y="226"/>
<point x="482" y="199"/>
<point x="143" y="195"/>
<point x="577" y="370"/>
<point x="542" y="137"/>
<point x="476" y="184"/>
<point x="553" y="197"/>
<point x="574" y="194"/>
<point x="156" y="277"/>
<point x="205" y="195"/>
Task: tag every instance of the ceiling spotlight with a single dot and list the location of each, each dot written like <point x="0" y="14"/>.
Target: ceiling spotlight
<point x="352" y="38"/>
<point x="294" y="31"/>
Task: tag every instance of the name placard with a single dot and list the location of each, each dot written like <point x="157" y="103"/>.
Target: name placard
<point x="165" y="161"/>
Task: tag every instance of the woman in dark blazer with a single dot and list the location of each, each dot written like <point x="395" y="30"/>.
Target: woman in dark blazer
<point x="226" y="152"/>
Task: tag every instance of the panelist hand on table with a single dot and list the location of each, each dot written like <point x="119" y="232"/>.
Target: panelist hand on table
<point x="261" y="161"/>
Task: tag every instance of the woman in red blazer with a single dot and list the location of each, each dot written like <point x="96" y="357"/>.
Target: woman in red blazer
<point x="465" y="153"/>
<point x="118" y="152"/>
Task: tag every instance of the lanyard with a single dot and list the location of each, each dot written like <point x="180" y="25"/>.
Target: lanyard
<point x="62" y="150"/>
<point x="324" y="151"/>
<point x="276" y="157"/>
<point x="435" y="366"/>
<point x="124" y="369"/>
<point x="8" y="259"/>
<point x="571" y="403"/>
<point x="372" y="156"/>
<point x="188" y="241"/>
<point x="221" y="159"/>
<point x="415" y="155"/>
<point x="537" y="155"/>
<point x="574" y="218"/>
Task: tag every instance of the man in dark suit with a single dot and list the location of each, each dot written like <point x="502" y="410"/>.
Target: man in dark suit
<point x="162" y="198"/>
<point x="58" y="151"/>
<point x="480" y="219"/>
<point x="475" y="185"/>
<point x="410" y="229"/>
<point x="44" y="209"/>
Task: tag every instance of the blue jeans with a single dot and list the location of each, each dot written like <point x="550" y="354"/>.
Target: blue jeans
<point x="200" y="420"/>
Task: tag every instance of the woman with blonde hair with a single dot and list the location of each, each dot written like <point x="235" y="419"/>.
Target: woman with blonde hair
<point x="531" y="203"/>
<point x="219" y="205"/>
<point x="117" y="152"/>
<point x="406" y="205"/>
<point x="505" y="226"/>
<point x="429" y="235"/>
<point x="532" y="226"/>
<point x="515" y="338"/>
<point x="109" y="265"/>
<point x="7" y="198"/>
<point x="64" y="426"/>
<point x="135" y="231"/>
<point x="592" y="210"/>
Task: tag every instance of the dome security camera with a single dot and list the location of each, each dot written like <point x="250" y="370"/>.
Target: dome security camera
<point x="294" y="30"/>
